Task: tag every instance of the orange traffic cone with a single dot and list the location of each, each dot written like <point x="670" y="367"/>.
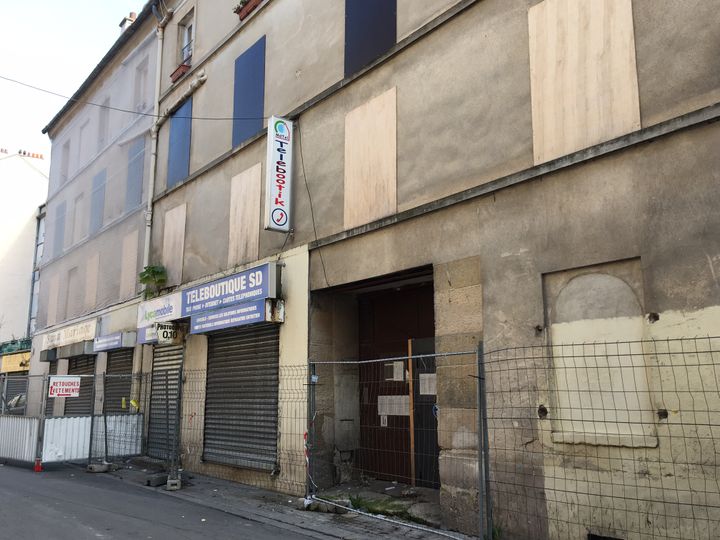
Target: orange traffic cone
<point x="38" y="465"/>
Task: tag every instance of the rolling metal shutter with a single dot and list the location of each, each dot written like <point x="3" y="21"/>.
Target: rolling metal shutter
<point x="118" y="381"/>
<point x="164" y="400"/>
<point x="50" y="402"/>
<point x="81" y="405"/>
<point x="241" y="399"/>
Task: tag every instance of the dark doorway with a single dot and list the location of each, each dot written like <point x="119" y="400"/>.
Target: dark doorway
<point x="390" y="320"/>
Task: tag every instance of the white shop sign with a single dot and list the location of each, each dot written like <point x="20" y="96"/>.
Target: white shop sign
<point x="168" y="334"/>
<point x="76" y="333"/>
<point x="64" y="386"/>
<point x="279" y="174"/>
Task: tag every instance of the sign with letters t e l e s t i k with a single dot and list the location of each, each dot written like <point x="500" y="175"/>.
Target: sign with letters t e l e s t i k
<point x="278" y="190"/>
<point x="64" y="386"/>
<point x="246" y="286"/>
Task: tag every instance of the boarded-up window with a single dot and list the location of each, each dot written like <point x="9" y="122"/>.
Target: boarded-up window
<point x="179" y="144"/>
<point x="59" y="232"/>
<point x="73" y="298"/>
<point x="136" y="165"/>
<point x="128" y="270"/>
<point x="371" y="161"/>
<point x="601" y="385"/>
<point x="91" y="280"/>
<point x="370" y="31"/>
<point x="249" y="94"/>
<point x="97" y="202"/>
<point x="52" y="300"/>
<point x="244" y="228"/>
<point x="174" y="243"/>
<point x="583" y="74"/>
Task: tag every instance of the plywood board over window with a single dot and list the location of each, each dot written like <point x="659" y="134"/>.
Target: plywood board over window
<point x="128" y="272"/>
<point x="244" y="230"/>
<point x="174" y="243"/>
<point x="91" y="281"/>
<point x="371" y="160"/>
<point x="583" y="74"/>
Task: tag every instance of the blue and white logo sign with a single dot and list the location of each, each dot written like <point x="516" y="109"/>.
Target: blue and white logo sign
<point x="278" y="193"/>
<point x="253" y="284"/>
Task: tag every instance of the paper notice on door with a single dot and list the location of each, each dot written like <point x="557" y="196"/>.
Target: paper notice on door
<point x="394" y="405"/>
<point x="428" y="384"/>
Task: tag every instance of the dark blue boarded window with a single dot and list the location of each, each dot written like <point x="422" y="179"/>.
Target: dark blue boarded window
<point x="179" y="151"/>
<point x="59" y="232"/>
<point x="370" y="31"/>
<point x="136" y="162"/>
<point x="97" y="202"/>
<point x="249" y="96"/>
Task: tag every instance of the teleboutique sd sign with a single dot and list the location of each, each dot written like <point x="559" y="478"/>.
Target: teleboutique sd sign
<point x="234" y="300"/>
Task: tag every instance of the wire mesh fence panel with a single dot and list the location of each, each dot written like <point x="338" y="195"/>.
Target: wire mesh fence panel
<point x="118" y="431"/>
<point x="13" y="393"/>
<point x="605" y="440"/>
<point x="392" y="436"/>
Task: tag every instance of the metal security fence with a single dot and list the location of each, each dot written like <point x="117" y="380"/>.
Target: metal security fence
<point x="393" y="436"/>
<point x="608" y="440"/>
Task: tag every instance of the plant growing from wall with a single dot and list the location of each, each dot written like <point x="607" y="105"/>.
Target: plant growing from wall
<point x="154" y="278"/>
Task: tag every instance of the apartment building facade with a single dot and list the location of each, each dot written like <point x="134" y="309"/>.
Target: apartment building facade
<point x="96" y="225"/>
<point x="517" y="173"/>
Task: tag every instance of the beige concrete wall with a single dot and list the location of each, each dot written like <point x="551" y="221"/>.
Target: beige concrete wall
<point x="578" y="218"/>
<point x="23" y="189"/>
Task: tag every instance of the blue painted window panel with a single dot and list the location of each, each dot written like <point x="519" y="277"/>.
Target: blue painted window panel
<point x="97" y="202"/>
<point x="370" y="31"/>
<point x="249" y="95"/>
<point x="59" y="233"/>
<point x="136" y="162"/>
<point x="179" y="148"/>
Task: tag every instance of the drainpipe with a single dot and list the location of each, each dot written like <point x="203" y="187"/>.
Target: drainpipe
<point x="154" y="134"/>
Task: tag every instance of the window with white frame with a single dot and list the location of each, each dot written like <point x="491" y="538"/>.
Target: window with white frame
<point x="186" y="32"/>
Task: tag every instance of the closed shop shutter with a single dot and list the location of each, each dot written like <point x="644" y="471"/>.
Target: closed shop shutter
<point x="50" y="403"/>
<point x="164" y="399"/>
<point x="242" y="397"/>
<point x="118" y="381"/>
<point x="81" y="405"/>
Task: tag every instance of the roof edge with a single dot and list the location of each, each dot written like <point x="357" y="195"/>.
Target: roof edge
<point x="109" y="56"/>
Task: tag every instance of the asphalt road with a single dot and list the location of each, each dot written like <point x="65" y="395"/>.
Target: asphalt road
<point x="70" y="504"/>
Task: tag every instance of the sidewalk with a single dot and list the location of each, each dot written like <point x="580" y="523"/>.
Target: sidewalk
<point x="279" y="510"/>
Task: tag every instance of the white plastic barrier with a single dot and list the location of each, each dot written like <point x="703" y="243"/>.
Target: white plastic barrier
<point x="18" y="437"/>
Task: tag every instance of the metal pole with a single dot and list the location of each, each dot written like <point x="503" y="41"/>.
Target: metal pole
<point x="92" y="415"/>
<point x="480" y="443"/>
<point x="310" y="444"/>
<point x="486" y="443"/>
<point x="3" y="393"/>
<point x="105" y="417"/>
<point x="41" y="424"/>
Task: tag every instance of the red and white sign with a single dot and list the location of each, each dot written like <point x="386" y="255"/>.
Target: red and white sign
<point x="279" y="174"/>
<point x="64" y="386"/>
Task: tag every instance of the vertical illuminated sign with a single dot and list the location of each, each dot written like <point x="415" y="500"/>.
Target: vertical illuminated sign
<point x="278" y="193"/>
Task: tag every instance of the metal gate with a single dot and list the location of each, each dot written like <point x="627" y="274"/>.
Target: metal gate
<point x="241" y="400"/>
<point x="118" y="381"/>
<point x="164" y="400"/>
<point x="13" y="386"/>
<point x="50" y="402"/>
<point x="81" y="405"/>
